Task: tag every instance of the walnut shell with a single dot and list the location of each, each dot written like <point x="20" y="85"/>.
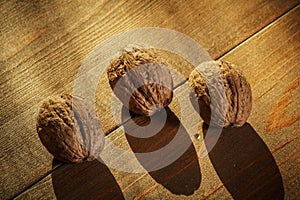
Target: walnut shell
<point x="141" y="80"/>
<point x="234" y="107"/>
<point x="69" y="129"/>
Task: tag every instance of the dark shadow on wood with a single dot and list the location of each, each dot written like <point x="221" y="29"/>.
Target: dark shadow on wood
<point x="182" y="175"/>
<point x="245" y="164"/>
<point x="87" y="180"/>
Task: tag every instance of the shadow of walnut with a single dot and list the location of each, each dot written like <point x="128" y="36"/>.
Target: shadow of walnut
<point x="245" y="164"/>
<point x="182" y="175"/>
<point x="87" y="180"/>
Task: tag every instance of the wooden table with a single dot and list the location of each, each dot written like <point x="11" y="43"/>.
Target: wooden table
<point x="43" y="44"/>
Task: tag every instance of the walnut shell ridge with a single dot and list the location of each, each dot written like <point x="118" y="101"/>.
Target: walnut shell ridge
<point x="69" y="129"/>
<point x="141" y="80"/>
<point x="231" y="109"/>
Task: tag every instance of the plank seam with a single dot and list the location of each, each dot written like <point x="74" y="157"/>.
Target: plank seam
<point x="258" y="31"/>
<point x="36" y="181"/>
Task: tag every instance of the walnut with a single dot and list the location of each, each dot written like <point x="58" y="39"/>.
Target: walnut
<point x="69" y="129"/>
<point x="234" y="107"/>
<point x="141" y="80"/>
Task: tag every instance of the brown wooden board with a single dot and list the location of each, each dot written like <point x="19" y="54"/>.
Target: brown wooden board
<point x="43" y="45"/>
<point x="258" y="160"/>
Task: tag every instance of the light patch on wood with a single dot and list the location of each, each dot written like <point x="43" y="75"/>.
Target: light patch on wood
<point x="146" y="191"/>
<point x="15" y="45"/>
<point x="285" y="113"/>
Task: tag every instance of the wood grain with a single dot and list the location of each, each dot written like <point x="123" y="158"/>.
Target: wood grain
<point x="264" y="162"/>
<point x="285" y="112"/>
<point x="55" y="37"/>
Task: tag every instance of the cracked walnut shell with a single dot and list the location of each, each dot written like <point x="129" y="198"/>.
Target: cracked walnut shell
<point x="69" y="129"/>
<point x="141" y="80"/>
<point x="221" y="94"/>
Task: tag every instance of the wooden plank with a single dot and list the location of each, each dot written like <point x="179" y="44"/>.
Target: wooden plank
<point x="254" y="161"/>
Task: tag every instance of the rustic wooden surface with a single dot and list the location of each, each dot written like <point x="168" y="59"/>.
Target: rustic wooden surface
<point x="43" y="43"/>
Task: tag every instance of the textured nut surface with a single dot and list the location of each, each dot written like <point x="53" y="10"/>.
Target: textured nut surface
<point x="69" y="129"/>
<point x="141" y="80"/>
<point x="236" y="103"/>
